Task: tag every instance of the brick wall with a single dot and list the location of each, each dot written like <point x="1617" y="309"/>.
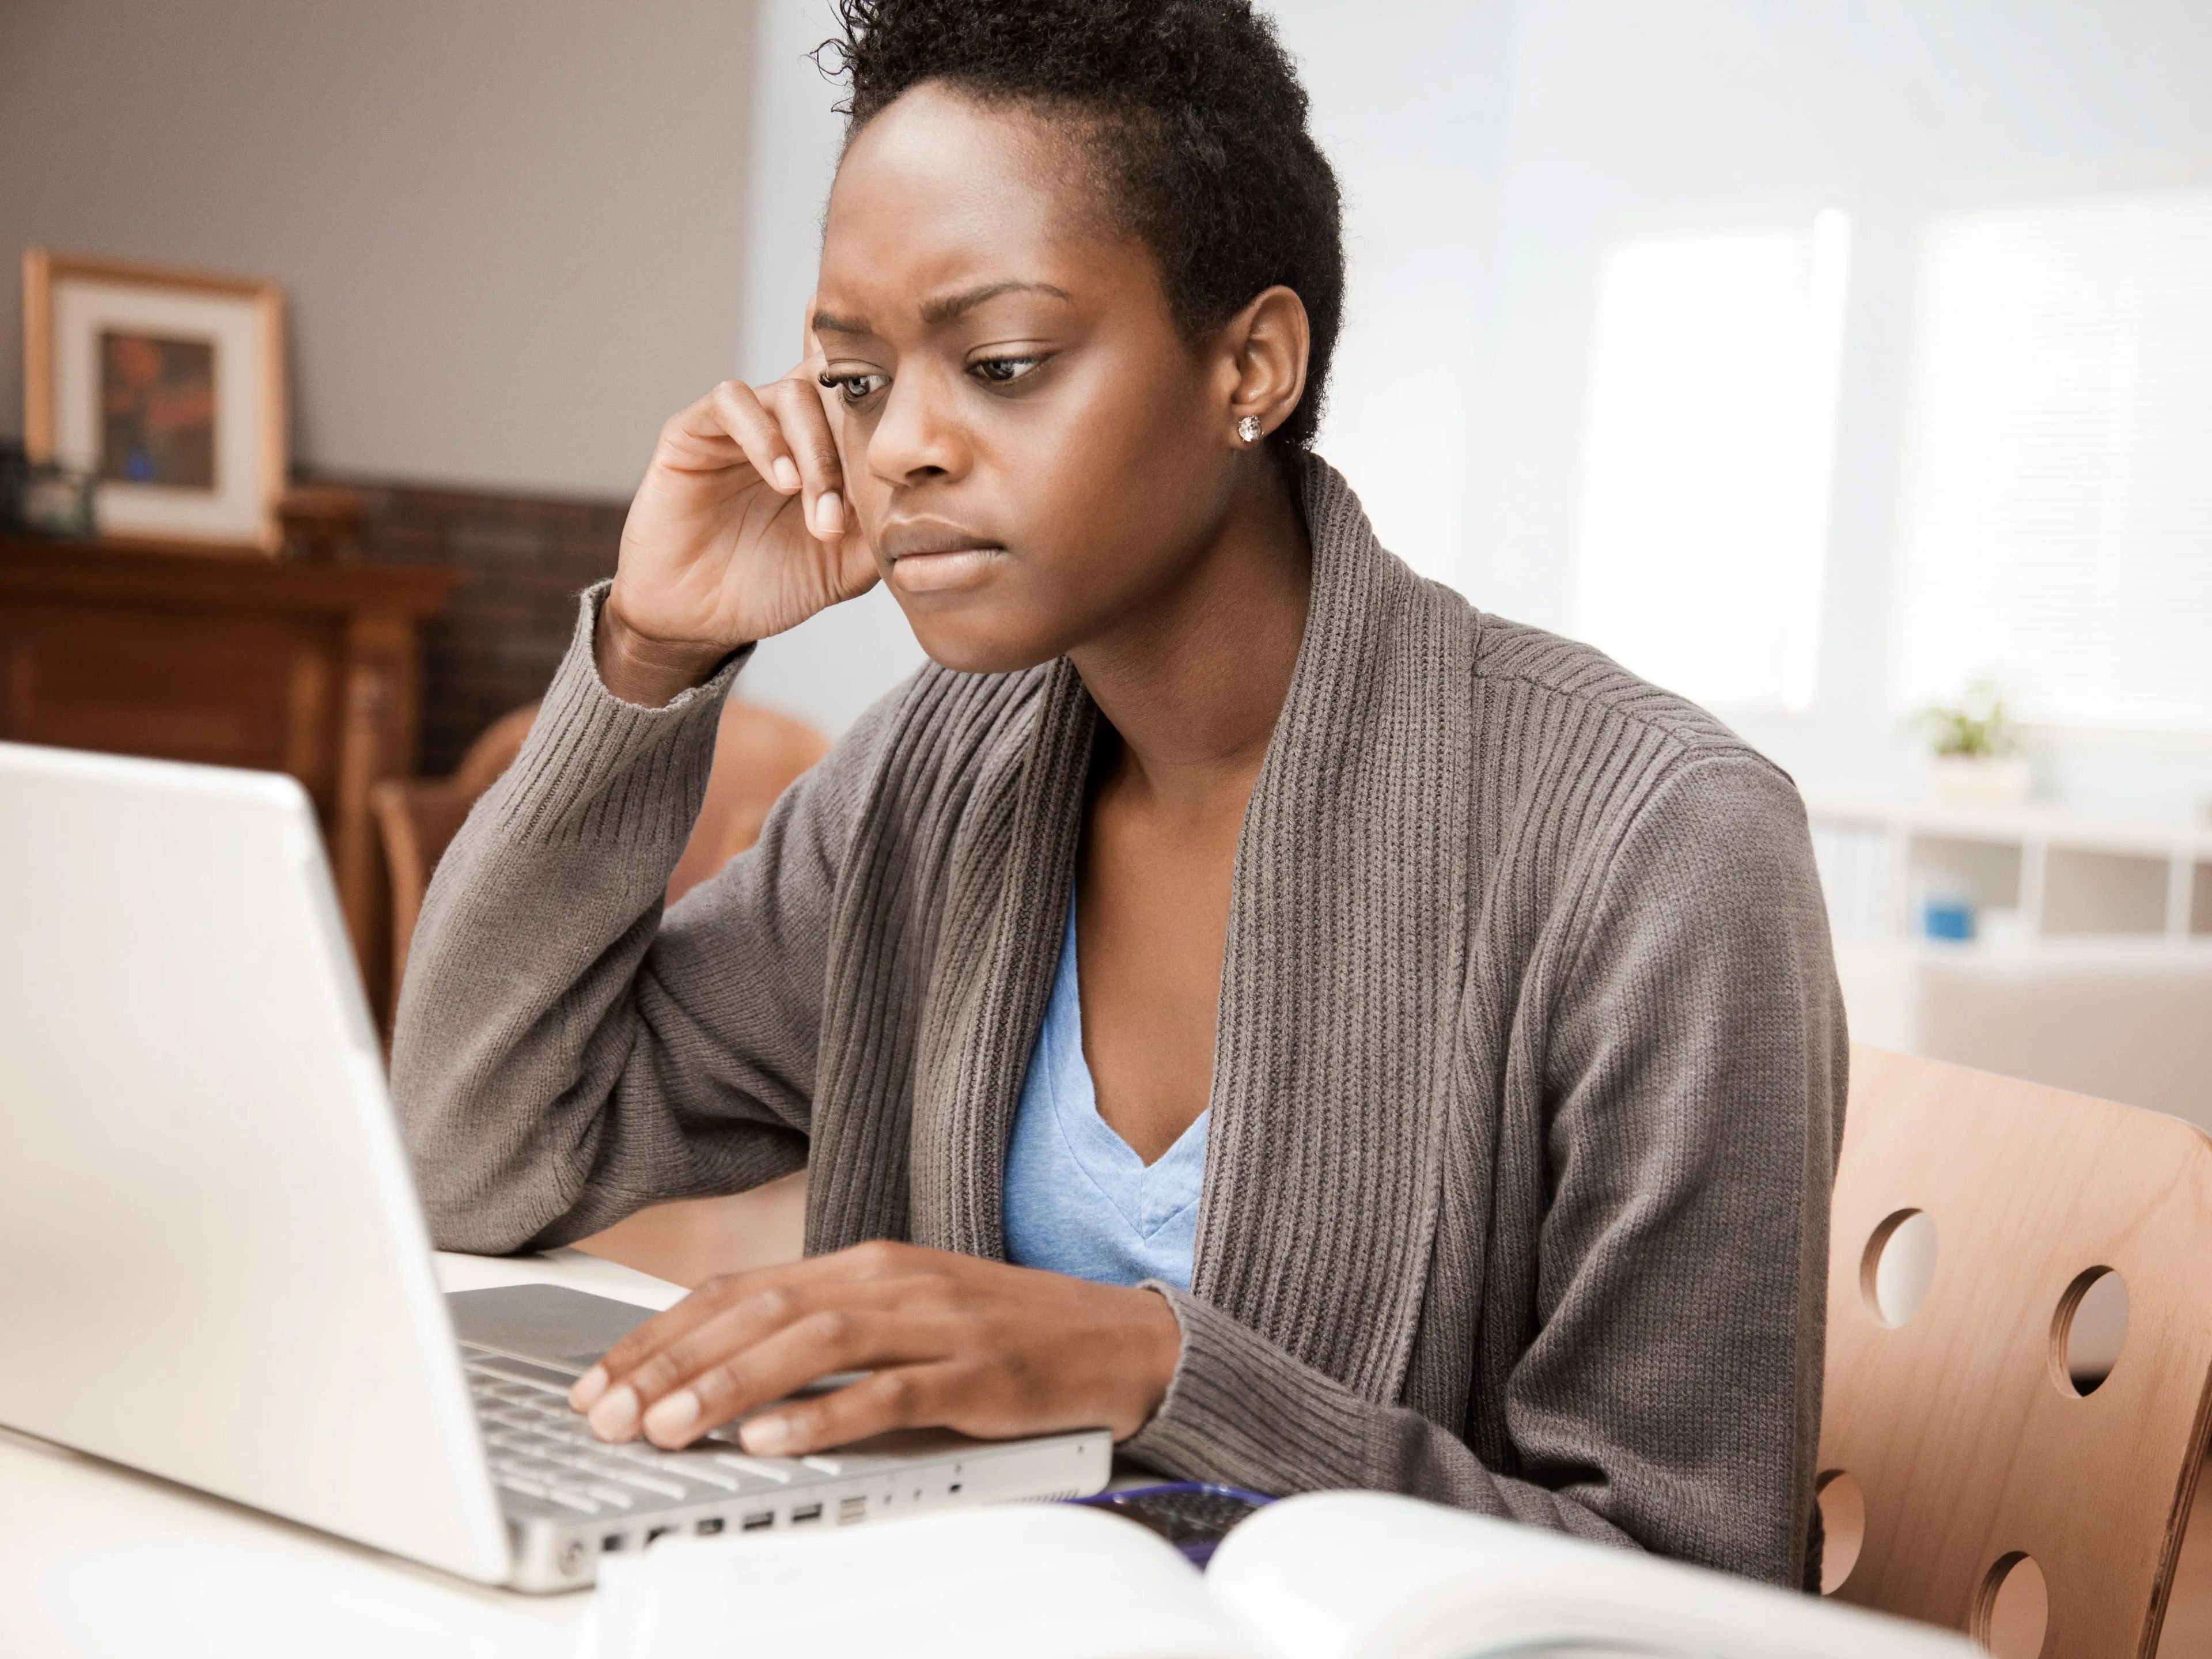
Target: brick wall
<point x="503" y="632"/>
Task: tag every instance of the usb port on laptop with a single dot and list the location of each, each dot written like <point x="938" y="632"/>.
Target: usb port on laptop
<point x="805" y="1513"/>
<point x="765" y="1519"/>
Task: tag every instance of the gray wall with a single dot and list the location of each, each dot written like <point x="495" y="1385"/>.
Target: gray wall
<point x="511" y="231"/>
<point x="516" y="234"/>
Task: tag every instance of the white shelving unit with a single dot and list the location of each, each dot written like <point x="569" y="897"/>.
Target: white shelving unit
<point x="2091" y="966"/>
<point x="2031" y="874"/>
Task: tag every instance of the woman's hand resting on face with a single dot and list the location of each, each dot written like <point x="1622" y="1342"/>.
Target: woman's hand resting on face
<point x="740" y="530"/>
<point x="948" y="1341"/>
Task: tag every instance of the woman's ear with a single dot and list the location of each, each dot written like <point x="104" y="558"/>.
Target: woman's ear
<point x="1266" y="343"/>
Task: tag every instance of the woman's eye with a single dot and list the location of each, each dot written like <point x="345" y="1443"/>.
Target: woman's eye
<point x="855" y="388"/>
<point x="1002" y="371"/>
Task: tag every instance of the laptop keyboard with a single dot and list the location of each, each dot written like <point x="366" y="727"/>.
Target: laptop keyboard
<point x="541" y="1451"/>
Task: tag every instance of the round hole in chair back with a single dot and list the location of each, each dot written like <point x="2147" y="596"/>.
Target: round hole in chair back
<point x="1899" y="1266"/>
<point x="2013" y="1608"/>
<point x="2088" y="1330"/>
<point x="1843" y="1526"/>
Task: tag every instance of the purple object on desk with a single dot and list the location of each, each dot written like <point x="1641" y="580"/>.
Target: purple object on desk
<point x="1194" y="1516"/>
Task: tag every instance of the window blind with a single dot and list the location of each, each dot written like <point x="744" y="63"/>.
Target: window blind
<point x="1701" y="528"/>
<point x="2056" y="530"/>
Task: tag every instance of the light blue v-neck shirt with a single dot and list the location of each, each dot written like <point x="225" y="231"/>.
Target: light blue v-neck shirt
<point x="1079" y="1198"/>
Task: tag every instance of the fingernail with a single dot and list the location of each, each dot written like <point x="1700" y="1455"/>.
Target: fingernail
<point x="766" y="1436"/>
<point x="673" y="1416"/>
<point x="786" y="474"/>
<point x="589" y="1386"/>
<point x="830" y="514"/>
<point x="615" y="1418"/>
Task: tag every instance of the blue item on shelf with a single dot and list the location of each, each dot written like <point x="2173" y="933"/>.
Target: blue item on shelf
<point x="1949" y="919"/>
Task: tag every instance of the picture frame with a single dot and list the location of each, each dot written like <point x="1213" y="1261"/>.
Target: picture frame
<point x="167" y="387"/>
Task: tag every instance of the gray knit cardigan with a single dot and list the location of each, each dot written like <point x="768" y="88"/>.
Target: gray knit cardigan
<point x="1527" y="1079"/>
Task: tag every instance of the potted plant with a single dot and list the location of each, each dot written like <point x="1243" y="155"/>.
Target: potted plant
<point x="1978" y="758"/>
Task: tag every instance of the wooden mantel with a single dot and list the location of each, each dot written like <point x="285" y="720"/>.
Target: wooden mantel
<point x="309" y="668"/>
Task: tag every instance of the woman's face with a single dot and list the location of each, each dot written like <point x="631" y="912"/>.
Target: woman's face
<point x="1035" y="450"/>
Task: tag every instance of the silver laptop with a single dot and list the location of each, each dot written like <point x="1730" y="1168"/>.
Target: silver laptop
<point x="213" y="1267"/>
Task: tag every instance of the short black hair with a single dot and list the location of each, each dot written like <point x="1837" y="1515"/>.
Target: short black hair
<point x="1192" y="107"/>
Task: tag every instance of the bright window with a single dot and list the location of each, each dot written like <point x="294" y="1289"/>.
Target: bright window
<point x="2057" y="527"/>
<point x="1702" y="524"/>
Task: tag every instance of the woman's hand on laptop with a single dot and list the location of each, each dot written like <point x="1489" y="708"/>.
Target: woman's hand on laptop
<point x="947" y="1340"/>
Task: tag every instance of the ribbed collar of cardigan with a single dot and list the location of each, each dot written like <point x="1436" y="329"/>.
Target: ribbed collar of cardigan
<point x="1340" y="990"/>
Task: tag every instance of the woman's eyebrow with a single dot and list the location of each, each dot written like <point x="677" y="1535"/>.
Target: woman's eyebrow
<point x="947" y="307"/>
<point x="942" y="309"/>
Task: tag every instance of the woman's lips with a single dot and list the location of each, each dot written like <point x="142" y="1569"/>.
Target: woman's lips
<point x="940" y="569"/>
<point x="933" y="554"/>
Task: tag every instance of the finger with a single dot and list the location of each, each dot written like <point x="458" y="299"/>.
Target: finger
<point x="797" y="402"/>
<point x="713" y="433"/>
<point x="739" y="411"/>
<point x="822" y="1343"/>
<point x="706" y="1303"/>
<point x="857" y="570"/>
<point x="619" y="1415"/>
<point x="811" y="355"/>
<point x="815" y="357"/>
<point x="879" y="1260"/>
<point x="616" y="1365"/>
<point x="900" y="1397"/>
<point x="732" y="1335"/>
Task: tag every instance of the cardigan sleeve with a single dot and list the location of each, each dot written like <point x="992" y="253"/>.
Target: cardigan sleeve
<point x="564" y="1053"/>
<point x="1665" y="1388"/>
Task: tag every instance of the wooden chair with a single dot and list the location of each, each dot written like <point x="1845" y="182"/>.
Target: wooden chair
<point x="1961" y="1436"/>
<point x="417" y="819"/>
<point x="757" y="753"/>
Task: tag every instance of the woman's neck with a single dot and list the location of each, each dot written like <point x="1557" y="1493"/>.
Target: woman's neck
<point x="1193" y="683"/>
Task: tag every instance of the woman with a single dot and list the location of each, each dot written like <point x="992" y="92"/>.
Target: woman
<point x="1237" y="993"/>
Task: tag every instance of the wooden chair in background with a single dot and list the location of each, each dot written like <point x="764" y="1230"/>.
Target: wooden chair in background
<point x="1967" y="1478"/>
<point x="418" y="817"/>
<point x="757" y="753"/>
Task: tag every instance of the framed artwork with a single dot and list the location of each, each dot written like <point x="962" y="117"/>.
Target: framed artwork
<point x="167" y="387"/>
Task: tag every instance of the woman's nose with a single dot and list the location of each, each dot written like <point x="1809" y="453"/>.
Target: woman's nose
<point x="917" y="436"/>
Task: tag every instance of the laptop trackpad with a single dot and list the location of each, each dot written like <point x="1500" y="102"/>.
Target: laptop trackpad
<point x="563" y="1329"/>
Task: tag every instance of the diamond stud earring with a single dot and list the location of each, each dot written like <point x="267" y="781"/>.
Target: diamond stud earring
<point x="1248" y="428"/>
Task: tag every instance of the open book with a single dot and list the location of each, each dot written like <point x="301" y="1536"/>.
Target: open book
<point x="1330" y="1576"/>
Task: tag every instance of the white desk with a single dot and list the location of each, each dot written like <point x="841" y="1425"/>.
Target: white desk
<point x="99" y="1562"/>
